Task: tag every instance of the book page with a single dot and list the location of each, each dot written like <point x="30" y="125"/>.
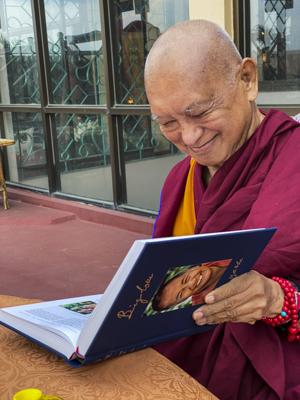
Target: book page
<point x="64" y="317"/>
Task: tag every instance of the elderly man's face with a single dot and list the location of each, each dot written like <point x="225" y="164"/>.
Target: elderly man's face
<point x="180" y="288"/>
<point x="205" y="118"/>
<point x="193" y="281"/>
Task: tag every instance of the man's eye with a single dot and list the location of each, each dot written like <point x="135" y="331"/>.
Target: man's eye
<point x="185" y="279"/>
<point x="199" y="115"/>
<point x="169" y="124"/>
<point x="179" y="295"/>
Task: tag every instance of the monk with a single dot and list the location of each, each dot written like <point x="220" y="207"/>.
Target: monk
<point x="242" y="170"/>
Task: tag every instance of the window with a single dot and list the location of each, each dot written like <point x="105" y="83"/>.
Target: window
<point x="275" y="32"/>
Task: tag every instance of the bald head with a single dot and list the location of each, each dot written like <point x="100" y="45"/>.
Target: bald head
<point x="193" y="48"/>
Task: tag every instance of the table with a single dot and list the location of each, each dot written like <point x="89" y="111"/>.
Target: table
<point x="143" y="375"/>
<point x="4" y="143"/>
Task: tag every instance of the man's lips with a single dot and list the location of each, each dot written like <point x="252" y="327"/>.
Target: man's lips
<point x="202" y="279"/>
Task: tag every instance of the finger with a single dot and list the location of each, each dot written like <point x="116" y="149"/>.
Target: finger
<point x="205" y="315"/>
<point x="240" y="314"/>
<point x="232" y="288"/>
<point x="226" y="305"/>
<point x="231" y="309"/>
<point x="247" y="319"/>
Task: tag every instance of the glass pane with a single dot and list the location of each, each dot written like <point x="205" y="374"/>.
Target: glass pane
<point x="75" y="51"/>
<point x="275" y="31"/>
<point x="84" y="158"/>
<point x="138" y="24"/>
<point x="149" y="157"/>
<point x="27" y="158"/>
<point x="18" y="64"/>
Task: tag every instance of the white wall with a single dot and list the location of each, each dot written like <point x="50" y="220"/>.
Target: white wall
<point x="218" y="11"/>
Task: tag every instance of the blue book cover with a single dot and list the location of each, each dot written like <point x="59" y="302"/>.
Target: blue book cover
<point x="150" y="299"/>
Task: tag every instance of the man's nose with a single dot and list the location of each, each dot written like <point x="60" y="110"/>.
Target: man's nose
<point x="191" y="133"/>
<point x="192" y="283"/>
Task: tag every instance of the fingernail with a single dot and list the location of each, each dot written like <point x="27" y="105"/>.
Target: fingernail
<point x="210" y="298"/>
<point x="198" y="314"/>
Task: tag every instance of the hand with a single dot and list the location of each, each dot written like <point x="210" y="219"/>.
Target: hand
<point x="247" y="298"/>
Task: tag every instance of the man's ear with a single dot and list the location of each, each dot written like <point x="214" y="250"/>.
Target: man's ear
<point x="248" y="76"/>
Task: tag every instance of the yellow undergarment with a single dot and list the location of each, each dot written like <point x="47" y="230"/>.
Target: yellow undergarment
<point x="185" y="221"/>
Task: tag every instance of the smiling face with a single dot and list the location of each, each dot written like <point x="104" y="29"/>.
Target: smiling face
<point x="203" y="108"/>
<point x="192" y="281"/>
<point x="208" y="121"/>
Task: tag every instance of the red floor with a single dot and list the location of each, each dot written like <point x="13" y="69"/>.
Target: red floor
<point x="54" y="251"/>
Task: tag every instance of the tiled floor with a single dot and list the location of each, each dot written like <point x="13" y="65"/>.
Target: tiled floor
<point x="48" y="253"/>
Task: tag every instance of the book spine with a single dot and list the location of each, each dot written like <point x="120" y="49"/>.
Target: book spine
<point x="112" y="354"/>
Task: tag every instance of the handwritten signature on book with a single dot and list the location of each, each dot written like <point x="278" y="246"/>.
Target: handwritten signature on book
<point x="139" y="300"/>
<point x="235" y="268"/>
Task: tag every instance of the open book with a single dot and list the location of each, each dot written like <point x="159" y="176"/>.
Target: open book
<point x="150" y="299"/>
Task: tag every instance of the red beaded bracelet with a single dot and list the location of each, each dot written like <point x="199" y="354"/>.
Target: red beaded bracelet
<point x="289" y="313"/>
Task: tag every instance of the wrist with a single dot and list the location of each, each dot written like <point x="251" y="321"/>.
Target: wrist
<point x="289" y="313"/>
<point x="277" y="302"/>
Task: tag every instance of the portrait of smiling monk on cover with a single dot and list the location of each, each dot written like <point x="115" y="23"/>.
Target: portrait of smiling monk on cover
<point x="192" y="283"/>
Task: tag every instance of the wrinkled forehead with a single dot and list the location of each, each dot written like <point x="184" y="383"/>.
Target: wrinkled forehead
<point x="174" y="78"/>
<point x="184" y="74"/>
<point x="175" y="67"/>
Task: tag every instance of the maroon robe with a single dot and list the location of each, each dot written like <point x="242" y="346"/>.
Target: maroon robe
<point x="258" y="186"/>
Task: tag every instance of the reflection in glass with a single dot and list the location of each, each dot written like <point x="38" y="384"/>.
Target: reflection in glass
<point x="149" y="157"/>
<point x="84" y="156"/>
<point x="275" y="31"/>
<point x="75" y="51"/>
<point x="138" y="24"/>
<point x="18" y="64"/>
<point x="27" y="158"/>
